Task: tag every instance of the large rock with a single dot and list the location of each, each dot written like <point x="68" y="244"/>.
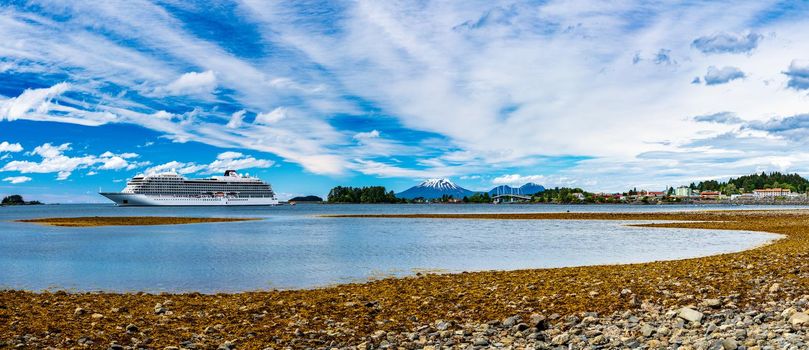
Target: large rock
<point x="511" y="321"/>
<point x="799" y="318"/>
<point x="690" y="315"/>
<point x="646" y="330"/>
<point x="729" y="344"/>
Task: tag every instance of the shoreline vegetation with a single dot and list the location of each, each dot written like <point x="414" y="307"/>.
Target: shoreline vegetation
<point x="94" y="221"/>
<point x="16" y="199"/>
<point x="789" y="189"/>
<point x="751" y="298"/>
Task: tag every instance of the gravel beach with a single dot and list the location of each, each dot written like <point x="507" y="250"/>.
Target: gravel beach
<point x="756" y="299"/>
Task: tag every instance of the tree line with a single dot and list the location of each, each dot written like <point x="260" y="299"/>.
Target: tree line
<point x="371" y="194"/>
<point x="748" y="183"/>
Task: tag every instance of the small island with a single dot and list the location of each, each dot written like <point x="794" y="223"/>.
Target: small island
<point x="16" y="199"/>
<point x="310" y="199"/>
<point x="92" y="221"/>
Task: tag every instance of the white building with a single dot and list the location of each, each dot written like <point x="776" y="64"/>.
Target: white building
<point x="772" y="192"/>
<point x="683" y="191"/>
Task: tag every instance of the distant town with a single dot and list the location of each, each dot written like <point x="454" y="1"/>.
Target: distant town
<point x="763" y="188"/>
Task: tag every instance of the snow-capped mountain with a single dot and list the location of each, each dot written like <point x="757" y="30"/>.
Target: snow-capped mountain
<point x="435" y="188"/>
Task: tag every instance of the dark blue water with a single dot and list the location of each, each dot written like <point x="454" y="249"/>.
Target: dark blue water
<point x="292" y="247"/>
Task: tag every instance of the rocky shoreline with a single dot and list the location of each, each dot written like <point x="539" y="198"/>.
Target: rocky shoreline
<point x="713" y="324"/>
<point x="756" y="299"/>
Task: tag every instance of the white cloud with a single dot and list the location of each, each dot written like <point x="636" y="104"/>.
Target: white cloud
<point x="236" y="119"/>
<point x="31" y="101"/>
<point x="135" y="165"/>
<point x="163" y="115"/>
<point x="229" y="155"/>
<point x="191" y="83"/>
<point x="174" y="166"/>
<point x="722" y="75"/>
<point x="272" y="117"/>
<point x="372" y="167"/>
<point x="798" y="74"/>
<point x="36" y="104"/>
<point x="113" y="163"/>
<point x="220" y="165"/>
<point x="547" y="181"/>
<point x="128" y="155"/>
<point x="720" y="118"/>
<point x="50" y="151"/>
<point x="224" y="161"/>
<point x="727" y="43"/>
<point x="10" y="147"/>
<point x="373" y="134"/>
<point x="6" y="66"/>
<point x="17" y="179"/>
<point x="53" y="160"/>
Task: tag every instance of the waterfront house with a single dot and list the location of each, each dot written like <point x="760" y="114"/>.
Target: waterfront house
<point x="709" y="194"/>
<point x="654" y="194"/>
<point x="772" y="192"/>
<point x="742" y="196"/>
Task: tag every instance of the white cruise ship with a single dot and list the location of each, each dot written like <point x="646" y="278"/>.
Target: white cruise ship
<point x="172" y="189"/>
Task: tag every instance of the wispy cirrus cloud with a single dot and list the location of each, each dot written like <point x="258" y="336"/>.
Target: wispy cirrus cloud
<point x="497" y="88"/>
<point x="191" y="83"/>
<point x="793" y="127"/>
<point x="17" y="179"/>
<point x="224" y="161"/>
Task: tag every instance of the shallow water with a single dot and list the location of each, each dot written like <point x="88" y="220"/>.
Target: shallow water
<point x="294" y="248"/>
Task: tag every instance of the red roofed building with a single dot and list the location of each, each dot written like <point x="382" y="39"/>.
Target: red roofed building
<point x="710" y="194"/>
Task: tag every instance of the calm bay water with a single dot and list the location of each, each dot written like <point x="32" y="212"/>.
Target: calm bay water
<point x="294" y="248"/>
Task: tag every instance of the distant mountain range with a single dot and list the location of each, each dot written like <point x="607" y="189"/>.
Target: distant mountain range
<point x="437" y="188"/>
<point x="527" y="189"/>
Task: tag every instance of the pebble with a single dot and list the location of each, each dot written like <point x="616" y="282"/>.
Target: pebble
<point x="690" y="315"/>
<point x="714" y="303"/>
<point x="131" y="328"/>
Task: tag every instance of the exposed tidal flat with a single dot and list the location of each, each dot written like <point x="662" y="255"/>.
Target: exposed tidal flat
<point x="742" y="299"/>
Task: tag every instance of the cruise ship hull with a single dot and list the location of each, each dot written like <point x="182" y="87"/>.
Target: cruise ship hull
<point x="131" y="199"/>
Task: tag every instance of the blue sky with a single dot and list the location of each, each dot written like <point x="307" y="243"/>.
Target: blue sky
<point x="309" y="95"/>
